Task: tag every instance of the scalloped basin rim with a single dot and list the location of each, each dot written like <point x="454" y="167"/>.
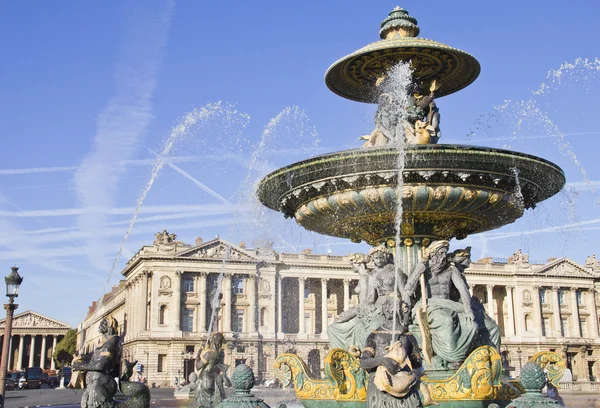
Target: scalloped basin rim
<point x="452" y="150"/>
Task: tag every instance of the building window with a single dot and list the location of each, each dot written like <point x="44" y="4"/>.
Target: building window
<point x="579" y="297"/>
<point x="238" y="285"/>
<point x="545" y="326"/>
<point x="542" y="295"/>
<point x="583" y="327"/>
<point x="162" y="363"/>
<point x="528" y="323"/>
<point x="188" y="284"/>
<point x="162" y="314"/>
<point x="564" y="328"/>
<point x="307" y="324"/>
<point x="188" y="320"/>
<point x="189" y="349"/>
<point x="239" y="361"/>
<point x="238" y="321"/>
<point x="240" y="349"/>
<point x="561" y="297"/>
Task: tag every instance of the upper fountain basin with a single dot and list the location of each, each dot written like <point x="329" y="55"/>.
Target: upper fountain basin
<point x="448" y="191"/>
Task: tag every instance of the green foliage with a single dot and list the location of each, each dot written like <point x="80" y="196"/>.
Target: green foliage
<point x="65" y="349"/>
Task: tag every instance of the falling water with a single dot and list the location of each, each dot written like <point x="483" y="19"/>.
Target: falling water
<point x="189" y="121"/>
<point x="518" y="193"/>
<point x="256" y="214"/>
<point x="398" y="84"/>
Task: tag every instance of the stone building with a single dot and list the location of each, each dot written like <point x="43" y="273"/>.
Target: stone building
<point x="282" y="302"/>
<point x="33" y="340"/>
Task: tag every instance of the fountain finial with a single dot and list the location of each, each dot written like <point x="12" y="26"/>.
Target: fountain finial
<point x="398" y="24"/>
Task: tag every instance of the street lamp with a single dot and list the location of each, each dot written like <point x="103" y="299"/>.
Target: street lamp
<point x="13" y="282"/>
<point x="520" y="363"/>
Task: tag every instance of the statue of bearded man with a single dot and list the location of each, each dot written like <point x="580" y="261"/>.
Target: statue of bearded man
<point x="456" y="325"/>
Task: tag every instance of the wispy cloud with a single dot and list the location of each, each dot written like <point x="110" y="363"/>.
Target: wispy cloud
<point x="583" y="185"/>
<point x="126" y="116"/>
<point x="150" y="209"/>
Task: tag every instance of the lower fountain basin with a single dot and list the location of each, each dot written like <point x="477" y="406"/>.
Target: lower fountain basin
<point x="448" y="191"/>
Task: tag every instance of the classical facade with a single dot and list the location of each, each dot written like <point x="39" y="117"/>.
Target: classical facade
<point x="33" y="340"/>
<point x="281" y="302"/>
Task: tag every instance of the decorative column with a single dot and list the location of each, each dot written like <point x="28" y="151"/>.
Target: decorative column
<point x="226" y="312"/>
<point x="576" y="327"/>
<point x="324" y="308"/>
<point x="490" y="301"/>
<point x="471" y="288"/>
<point x="519" y="317"/>
<point x="346" y="294"/>
<point x="556" y="314"/>
<point x="252" y="305"/>
<point x="301" y="332"/>
<point x="511" y="314"/>
<point x="537" y="306"/>
<point x="144" y="302"/>
<point x="43" y="353"/>
<point x="202" y="298"/>
<point x="594" y="313"/>
<point x="32" y="350"/>
<point x="21" y="352"/>
<point x="177" y="296"/>
<point x="52" y="363"/>
<point x="279" y="308"/>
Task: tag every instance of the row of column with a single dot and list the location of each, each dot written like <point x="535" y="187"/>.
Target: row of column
<point x="227" y="302"/>
<point x="511" y="330"/>
<point x="43" y="355"/>
<point x="324" y="304"/>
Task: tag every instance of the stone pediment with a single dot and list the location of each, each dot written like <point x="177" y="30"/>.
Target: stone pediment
<point x="564" y="267"/>
<point x="218" y="249"/>
<point x="33" y="320"/>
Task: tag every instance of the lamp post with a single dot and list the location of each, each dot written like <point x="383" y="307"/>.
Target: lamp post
<point x="13" y="282"/>
<point x="520" y="363"/>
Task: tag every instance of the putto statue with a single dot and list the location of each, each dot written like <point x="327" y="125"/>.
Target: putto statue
<point x="416" y="123"/>
<point x="394" y="362"/>
<point x="103" y="366"/>
<point x="453" y="324"/>
<point x="352" y="327"/>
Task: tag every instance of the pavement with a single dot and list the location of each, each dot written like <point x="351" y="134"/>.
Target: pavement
<point x="163" y="397"/>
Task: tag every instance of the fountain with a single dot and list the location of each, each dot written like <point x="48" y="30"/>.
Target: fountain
<point x="406" y="195"/>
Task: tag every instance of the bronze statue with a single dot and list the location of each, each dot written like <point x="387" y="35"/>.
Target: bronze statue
<point x="352" y="327"/>
<point x="456" y="322"/>
<point x="394" y="361"/>
<point x="102" y="366"/>
<point x="211" y="377"/>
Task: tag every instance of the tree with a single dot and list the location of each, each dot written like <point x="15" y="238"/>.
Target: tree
<point x="65" y="349"/>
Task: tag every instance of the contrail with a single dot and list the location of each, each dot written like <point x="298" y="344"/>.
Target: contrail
<point x="202" y="186"/>
<point x="126" y="116"/>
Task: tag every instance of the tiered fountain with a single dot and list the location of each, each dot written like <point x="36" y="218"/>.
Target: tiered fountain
<point x="445" y="191"/>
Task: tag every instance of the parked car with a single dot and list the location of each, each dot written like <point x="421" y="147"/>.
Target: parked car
<point x="273" y="383"/>
<point x="33" y="377"/>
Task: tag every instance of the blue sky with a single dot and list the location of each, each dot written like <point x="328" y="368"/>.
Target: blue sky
<point x="90" y="91"/>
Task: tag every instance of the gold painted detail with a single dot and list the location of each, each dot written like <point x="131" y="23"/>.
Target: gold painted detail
<point x="344" y="372"/>
<point x="477" y="379"/>
<point x="435" y="211"/>
<point x="290" y="368"/>
<point x="346" y="381"/>
<point x="552" y="363"/>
